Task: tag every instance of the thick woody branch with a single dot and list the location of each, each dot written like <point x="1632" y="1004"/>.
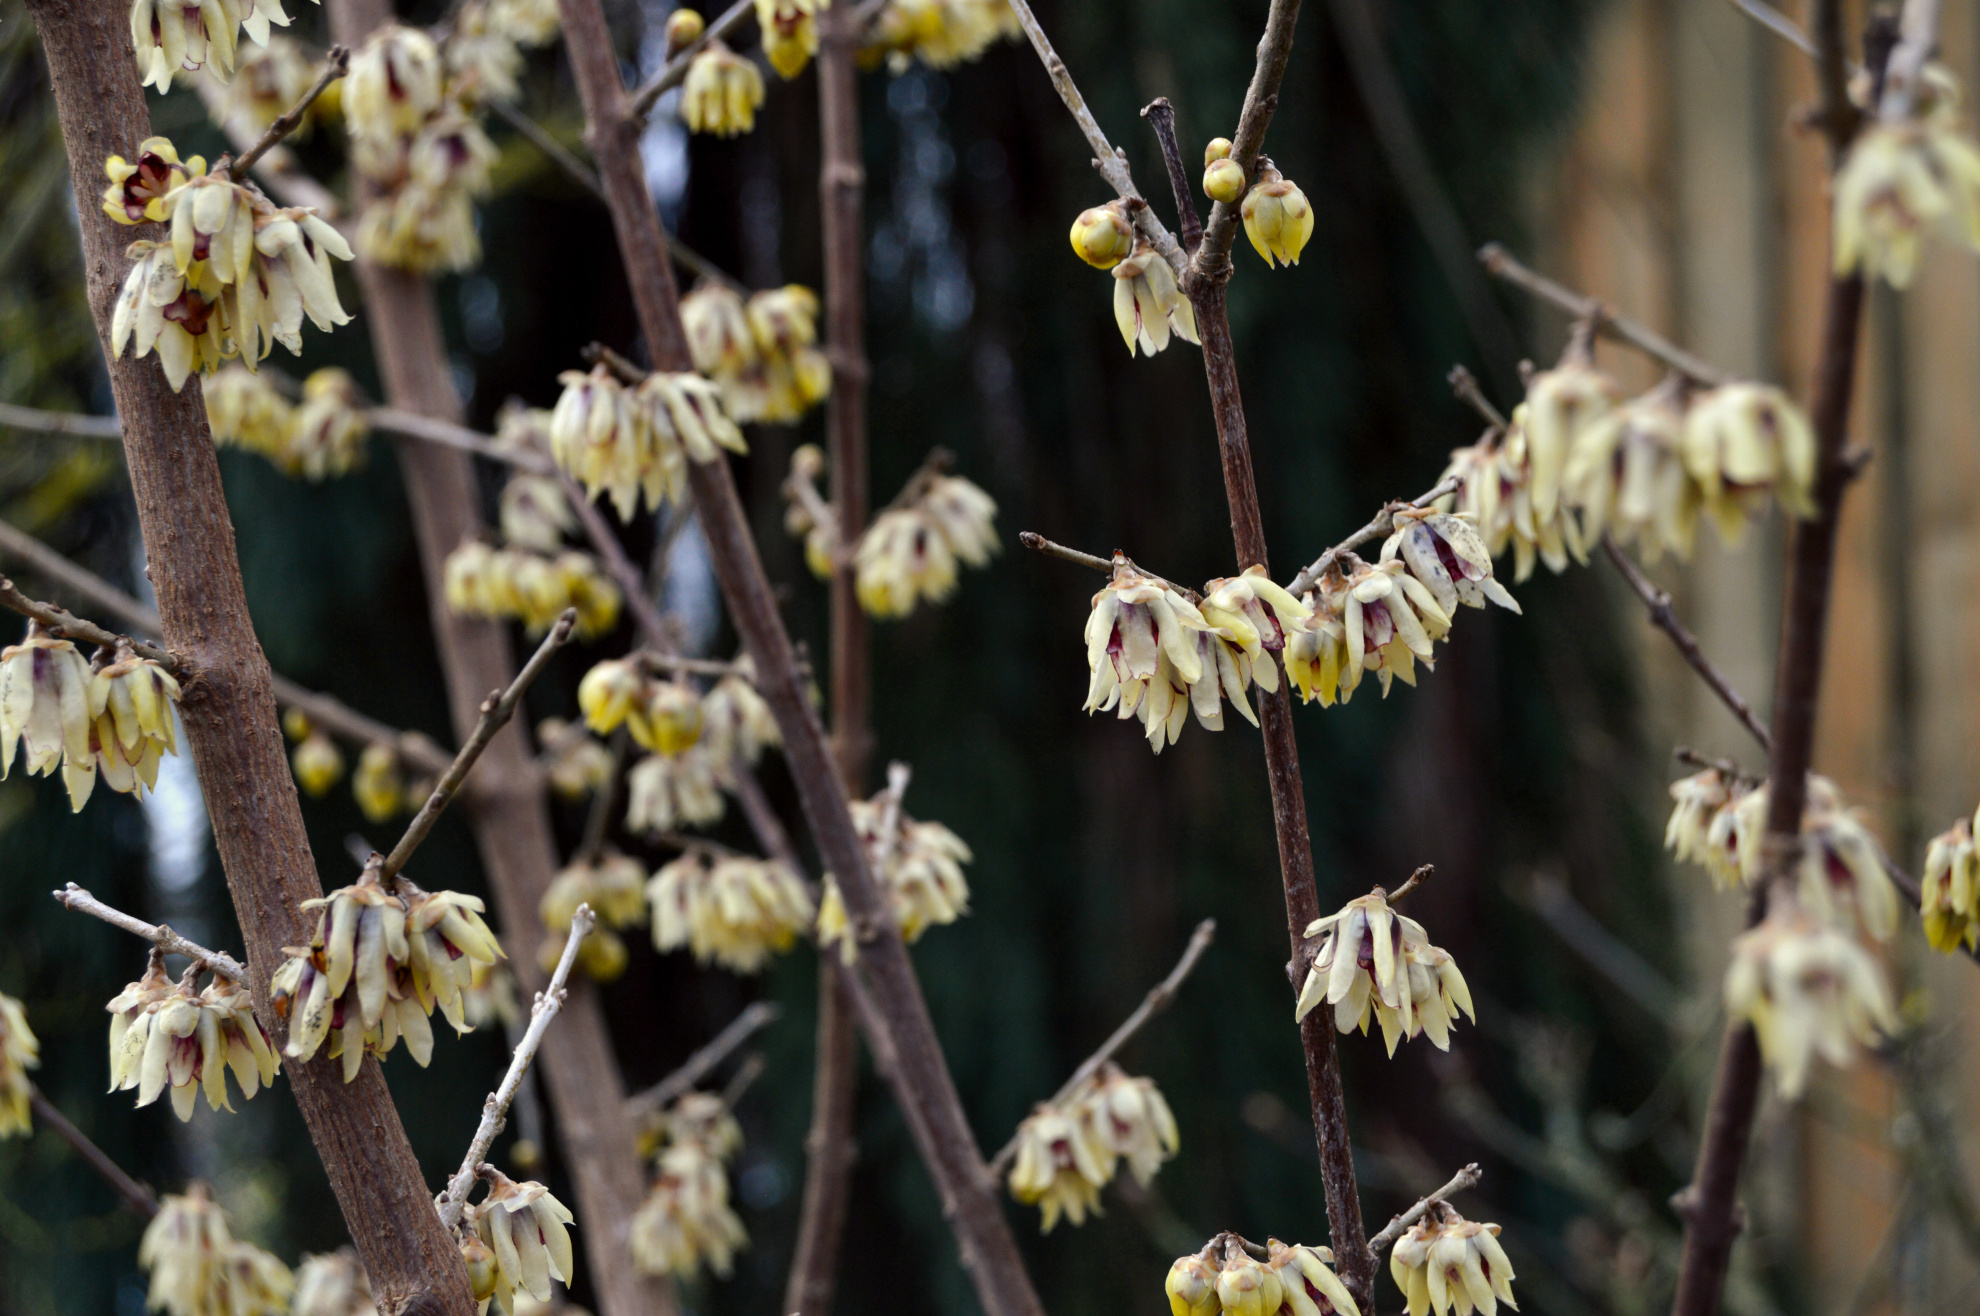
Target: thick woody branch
<point x="1383" y="522"/>
<point x="1159" y="998"/>
<point x="66" y="625"/>
<point x="336" y="64"/>
<point x="496" y="710"/>
<point x="676" y="69"/>
<point x="1463" y="1181"/>
<point x="137" y="1196"/>
<point x="1261" y="98"/>
<point x="704" y="1061"/>
<point x="1501" y="264"/>
<point x="82" y="902"/>
<point x="495" y="1111"/>
<point x="1665" y="619"/>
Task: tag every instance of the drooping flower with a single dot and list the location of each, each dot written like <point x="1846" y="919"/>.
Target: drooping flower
<point x="1561" y="406"/>
<point x="721" y="92"/>
<point x="603" y="438"/>
<point x="1452" y="1265"/>
<point x="790" y="33"/>
<point x="379" y="785"/>
<point x="575" y="763"/>
<point x="940" y="33"/>
<point x="1307" y="1279"/>
<point x="171" y="35"/>
<point x="918" y="866"/>
<point x="532" y="588"/>
<point x="19" y="1052"/>
<point x="1700" y="798"/>
<point x="1102" y="236"/>
<point x="1137" y="624"/>
<point x="736" y="911"/>
<point x="1446" y="555"/>
<point x="394" y="82"/>
<point x="169" y="1036"/>
<point x="332" y="1284"/>
<point x="793" y="375"/>
<point x="1376" y="962"/>
<point x="1950" y="900"/>
<point x="1808" y="989"/>
<point x="721" y="342"/>
<point x="1840" y="875"/>
<point x="685" y="412"/>
<point x="483" y="61"/>
<point x="327" y="432"/>
<point x="666" y="791"/>
<point x="614" y="885"/>
<point x="452" y="952"/>
<point x="1148" y="304"/>
<point x="44" y="709"/>
<point x="736" y="720"/>
<point x="138" y="188"/>
<point x="526" y="1228"/>
<point x="1389" y="620"/>
<point x="1131" y="1120"/>
<point x="1277" y="216"/>
<point x="131" y="720"/>
<point x="1626" y="475"/>
<point x="535" y="514"/>
<point x="244" y="411"/>
<point x="902" y="558"/>
<point x="1743" y="442"/>
<point x="1905" y="178"/>
<point x="362" y="931"/>
<point x="198" y="1268"/>
<point x="686" y="1221"/>
<point x="1060" y="1165"/>
<point x="1316" y="654"/>
<point x="173" y="312"/>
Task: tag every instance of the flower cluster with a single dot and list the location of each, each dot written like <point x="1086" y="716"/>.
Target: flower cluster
<point x="663" y="715"/>
<point x="19" y="1052"/>
<point x="1070" y="1148"/>
<point x="415" y="137"/>
<point x="669" y="791"/>
<point x="721" y="92"/>
<point x="534" y="513"/>
<point x="917" y="864"/>
<point x="198" y="1267"/>
<point x="323" y="437"/>
<point x="531" y="587"/>
<point x="1841" y="877"/>
<point x="1295" y="1279"/>
<point x="1374" y="962"/>
<point x="1449" y="1264"/>
<point x="615" y="888"/>
<point x="524" y="1241"/>
<point x="695" y="739"/>
<point x="732" y="909"/>
<point x="762" y="353"/>
<point x="576" y="762"/>
<point x="1950" y="903"/>
<point x="1809" y="989"/>
<point x="910" y="551"/>
<point x="375" y="969"/>
<point x="1905" y="178"/>
<point x="940" y="33"/>
<point x="170" y="35"/>
<point x="165" y="1035"/>
<point x="237" y="276"/>
<point x="116" y="721"/>
<point x="333" y="1284"/>
<point x="686" y="1220"/>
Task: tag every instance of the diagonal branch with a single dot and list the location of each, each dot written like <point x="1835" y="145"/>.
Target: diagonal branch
<point x="65" y="624"/>
<point x="1463" y="1181"/>
<point x="82" y="902"/>
<point x="137" y="1196"/>
<point x="336" y="64"/>
<point x="1383" y="522"/>
<point x="697" y="1066"/>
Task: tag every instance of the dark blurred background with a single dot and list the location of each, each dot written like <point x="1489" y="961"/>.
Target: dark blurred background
<point x="1522" y="754"/>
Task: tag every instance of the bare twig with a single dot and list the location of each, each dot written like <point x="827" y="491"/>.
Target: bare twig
<point x="1413" y="881"/>
<point x="59" y="422"/>
<point x="1465" y="385"/>
<point x="1159" y="998"/>
<point x="1213" y="256"/>
<point x="66" y="625"/>
<point x="1383" y="522"/>
<point x="739" y="1082"/>
<point x="676" y="68"/>
<point x="673" y="662"/>
<point x="336" y="64"/>
<point x="1665" y="619"/>
<point x="1161" y="116"/>
<point x="449" y="435"/>
<point x="1463" y="1181"/>
<point x="81" y="901"/>
<point x="137" y="1196"/>
<point x="1725" y="767"/>
<point x="1502" y="264"/>
<point x="1040" y="544"/>
<point x="697" y="1066"/>
<point x="496" y="710"/>
<point x="495" y="1111"/>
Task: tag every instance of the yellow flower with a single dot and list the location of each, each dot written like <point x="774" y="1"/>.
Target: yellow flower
<point x="526" y="1228"/>
<point x="940" y="33"/>
<point x="394" y="83"/>
<point x="174" y="35"/>
<point x="362" y="930"/>
<point x="686" y="1220"/>
<point x="609" y="693"/>
<point x="1130" y="1119"/>
<point x="1376" y="962"/>
<point x="576" y="764"/>
<point x="244" y="410"/>
<point x="130" y="709"/>
<point x="177" y="313"/>
<point x="1742" y="441"/>
<point x="603" y="438"/>
<point x="483" y="61"/>
<point x="1700" y="798"/>
<point x="327" y="432"/>
<point x="1102" y="236"/>
<point x="664" y="791"/>
<point x="1808" y="990"/>
<point x="378" y="784"/>
<point x="1840" y="876"/>
<point x="1389" y="619"/>
<point x="19" y="1052"/>
<point x="717" y="326"/>
<point x="1626" y="474"/>
<point x="268" y="81"/>
<point x="1306" y="1276"/>
<point x="198" y="1268"/>
<point x="1316" y="654"/>
<point x="138" y="190"/>
<point x="1192" y="1286"/>
<point x="1148" y="304"/>
<point x="1277" y="216"/>
<point x="332" y="1284"/>
<point x="613" y="884"/>
<point x="1561" y="405"/>
<point x="421" y="229"/>
<point x="453" y="954"/>
<point x="686" y="410"/>
<point x="792" y="375"/>
<point x="736" y="911"/>
<point x="1447" y="557"/>
<point x="164" y="1036"/>
<point x="1950" y="902"/>
<point x="45" y="709"/>
<point x="671" y="719"/>
<point x="1060" y="1166"/>
<point x="1223" y="180"/>
<point x="918" y="868"/>
<point x="684" y="28"/>
<point x="902" y="558"/>
<point x="736" y="720"/>
<point x="1247" y="1288"/>
<point x="790" y="33"/>
<point x="526" y="22"/>
<point x="1900" y="181"/>
<point x="1138" y="623"/>
<point x="721" y="92"/>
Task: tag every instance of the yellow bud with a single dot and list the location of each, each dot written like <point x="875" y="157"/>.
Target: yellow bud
<point x="603" y="955"/>
<point x="318" y="764"/>
<point x="297" y="724"/>
<point x="1248" y="1289"/>
<point x="1192" y="1288"/>
<point x="671" y="720"/>
<point x="480" y="1259"/>
<point x="1218" y="149"/>
<point x="684" y="27"/>
<point x="1102" y="236"/>
<point x="378" y="785"/>
<point x="1277" y="218"/>
<point x="525" y="1154"/>
<point x="1223" y="180"/>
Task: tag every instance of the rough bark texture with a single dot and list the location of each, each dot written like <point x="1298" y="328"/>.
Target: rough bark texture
<point x="920" y="1076"/>
<point x="828" y="1145"/>
<point x="508" y="810"/>
<point x="229" y="707"/>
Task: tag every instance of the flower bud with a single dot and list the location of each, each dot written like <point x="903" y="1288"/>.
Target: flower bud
<point x="684" y="28"/>
<point x="378" y="784"/>
<point x="1277" y="217"/>
<point x="1219" y="148"/>
<point x="1247" y="1288"/>
<point x="1192" y="1288"/>
<point x="1223" y="180"/>
<point x="480" y="1259"/>
<point x="318" y="764"/>
<point x="1102" y="236"/>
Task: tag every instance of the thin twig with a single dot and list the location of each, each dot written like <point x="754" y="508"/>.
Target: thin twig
<point x="448" y="435"/>
<point x="697" y="1066"/>
<point x="1415" y="880"/>
<point x="336" y="64"/>
<point x="82" y="902"/>
<point x="1161" y="116"/>
<point x="1384" y="521"/>
<point x="1463" y="1181"/>
<point x="137" y="1196"/>
<point x="676" y="69"/>
<point x="1261" y="98"/>
<point x="673" y="662"/>
<point x="494" y="1112"/>
<point x="66" y="625"/>
<point x="1465" y="385"/>
<point x="1665" y="619"/>
<point x="604" y="803"/>
<point x="1159" y="998"/>
<point x="496" y="710"/>
<point x="1725" y="767"/>
<point x="1040" y="544"/>
<point x="746" y="1073"/>
<point x="1776" y="22"/>
<point x="59" y="422"/>
<point x="1502" y="264"/>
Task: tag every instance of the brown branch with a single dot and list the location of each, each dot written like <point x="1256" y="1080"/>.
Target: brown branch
<point x="1159" y="998"/>
<point x="1161" y="116"/>
<point x="1383" y="522"/>
<point x="1213" y="257"/>
<point x="1665" y="619"/>
<point x="1463" y="1181"/>
<point x="336" y="64"/>
<point x="138" y="1197"/>
<point x="676" y="69"/>
<point x="74" y="897"/>
<point x="496" y="710"/>
<point x="699" y="1065"/>
<point x="326" y="710"/>
<point x="228" y="712"/>
<point x="900" y="1020"/>
<point x="1414" y="880"/>
<point x="1502" y="264"/>
<point x="66" y="625"/>
<point x="1038" y="543"/>
<point x="59" y="422"/>
<point x="1465" y="385"/>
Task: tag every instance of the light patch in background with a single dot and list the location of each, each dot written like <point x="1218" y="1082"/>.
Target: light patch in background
<point x="689" y="592"/>
<point x="663" y="146"/>
<point x="914" y="244"/>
